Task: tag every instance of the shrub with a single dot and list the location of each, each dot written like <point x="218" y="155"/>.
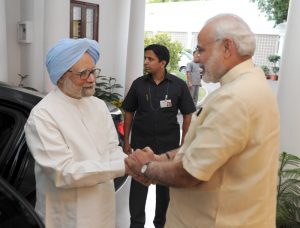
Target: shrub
<point x="288" y="192"/>
<point x="174" y="48"/>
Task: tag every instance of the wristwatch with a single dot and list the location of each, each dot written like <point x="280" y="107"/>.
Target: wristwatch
<point x="144" y="168"/>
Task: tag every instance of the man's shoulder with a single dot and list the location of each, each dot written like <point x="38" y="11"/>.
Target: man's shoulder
<point x="96" y="100"/>
<point x="175" y="79"/>
<point x="190" y="63"/>
<point x="141" y="79"/>
<point x="47" y="105"/>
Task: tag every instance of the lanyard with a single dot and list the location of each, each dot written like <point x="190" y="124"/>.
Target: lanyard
<point x="150" y="99"/>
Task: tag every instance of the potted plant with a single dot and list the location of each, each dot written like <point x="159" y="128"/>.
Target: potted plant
<point x="288" y="192"/>
<point x="274" y="59"/>
<point x="22" y="78"/>
<point x="266" y="70"/>
<point x="105" y="90"/>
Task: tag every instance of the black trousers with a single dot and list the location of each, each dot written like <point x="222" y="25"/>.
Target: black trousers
<point x="137" y="203"/>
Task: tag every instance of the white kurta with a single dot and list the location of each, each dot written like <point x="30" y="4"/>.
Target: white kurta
<point x="75" y="146"/>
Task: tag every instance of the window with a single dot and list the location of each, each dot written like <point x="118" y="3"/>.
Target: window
<point x="84" y="19"/>
<point x="12" y="141"/>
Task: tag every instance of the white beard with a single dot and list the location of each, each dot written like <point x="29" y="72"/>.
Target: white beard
<point x="213" y="71"/>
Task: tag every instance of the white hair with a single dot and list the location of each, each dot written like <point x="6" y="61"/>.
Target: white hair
<point x="233" y="27"/>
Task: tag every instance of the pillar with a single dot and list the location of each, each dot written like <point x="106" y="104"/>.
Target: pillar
<point x="135" y="51"/>
<point x="3" y="44"/>
<point x="289" y="83"/>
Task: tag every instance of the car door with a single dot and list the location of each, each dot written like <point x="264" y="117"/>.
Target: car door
<point x="15" y="211"/>
<point x="16" y="162"/>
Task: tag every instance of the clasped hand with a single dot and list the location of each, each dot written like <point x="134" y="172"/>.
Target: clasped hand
<point x="136" y="160"/>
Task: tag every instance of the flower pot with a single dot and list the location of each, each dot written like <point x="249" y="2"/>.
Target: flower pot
<point x="274" y="77"/>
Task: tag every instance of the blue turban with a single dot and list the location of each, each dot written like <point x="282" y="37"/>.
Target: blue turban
<point x="66" y="52"/>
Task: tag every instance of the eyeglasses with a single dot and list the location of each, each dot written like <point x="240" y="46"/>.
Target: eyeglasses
<point x="85" y="74"/>
<point x="200" y="50"/>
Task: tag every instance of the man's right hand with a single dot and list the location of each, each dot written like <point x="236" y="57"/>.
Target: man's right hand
<point x="127" y="148"/>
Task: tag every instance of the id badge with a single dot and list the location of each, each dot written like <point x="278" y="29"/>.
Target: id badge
<point x="165" y="103"/>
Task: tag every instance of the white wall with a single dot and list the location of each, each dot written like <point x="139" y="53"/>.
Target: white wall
<point x="3" y="47"/>
<point x="114" y="22"/>
<point x="135" y="56"/>
<point x="32" y="54"/>
<point x="289" y="81"/>
<point x="12" y="9"/>
<point x="56" y="27"/>
<point x="191" y="15"/>
<point x="50" y="19"/>
<point x="122" y="40"/>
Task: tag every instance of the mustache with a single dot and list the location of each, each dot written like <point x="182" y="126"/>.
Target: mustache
<point x="89" y="85"/>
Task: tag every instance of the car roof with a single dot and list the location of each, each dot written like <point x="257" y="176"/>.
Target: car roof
<point x="20" y="96"/>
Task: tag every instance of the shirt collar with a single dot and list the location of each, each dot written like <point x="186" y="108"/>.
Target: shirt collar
<point x="236" y="71"/>
<point x="167" y="76"/>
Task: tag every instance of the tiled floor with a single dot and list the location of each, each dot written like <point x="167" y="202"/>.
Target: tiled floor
<point x="150" y="207"/>
<point x="122" y="198"/>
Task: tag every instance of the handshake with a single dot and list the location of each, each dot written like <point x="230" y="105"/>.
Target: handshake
<point x="136" y="165"/>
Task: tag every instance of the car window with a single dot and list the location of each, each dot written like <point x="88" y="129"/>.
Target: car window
<point x="6" y="127"/>
<point x="12" y="127"/>
<point x="16" y="162"/>
<point x="14" y="210"/>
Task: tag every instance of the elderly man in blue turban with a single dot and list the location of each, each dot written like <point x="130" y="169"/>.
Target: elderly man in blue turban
<point x="73" y="140"/>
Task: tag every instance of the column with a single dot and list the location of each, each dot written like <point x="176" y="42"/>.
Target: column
<point x="135" y="51"/>
<point x="57" y="26"/>
<point x="3" y="44"/>
<point x="289" y="83"/>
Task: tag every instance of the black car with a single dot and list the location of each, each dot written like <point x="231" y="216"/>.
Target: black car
<point x="15" y="210"/>
<point x="17" y="180"/>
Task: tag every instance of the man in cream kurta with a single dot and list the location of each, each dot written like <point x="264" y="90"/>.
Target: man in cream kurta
<point x="232" y="146"/>
<point x="225" y="173"/>
<point x="73" y="140"/>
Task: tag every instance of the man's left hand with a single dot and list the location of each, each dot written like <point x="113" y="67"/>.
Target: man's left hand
<point x="138" y="158"/>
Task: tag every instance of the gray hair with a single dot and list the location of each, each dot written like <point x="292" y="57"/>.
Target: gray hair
<point x="233" y="27"/>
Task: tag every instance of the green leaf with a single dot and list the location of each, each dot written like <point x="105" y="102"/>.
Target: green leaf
<point x="105" y="89"/>
<point x="174" y="47"/>
<point x="288" y="191"/>
<point x="276" y="10"/>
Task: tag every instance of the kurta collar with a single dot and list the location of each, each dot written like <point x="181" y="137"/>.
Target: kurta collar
<point x="236" y="71"/>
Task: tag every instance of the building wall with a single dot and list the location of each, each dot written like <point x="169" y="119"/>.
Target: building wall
<point x="3" y="47"/>
<point x="12" y="10"/>
<point x="183" y="20"/>
<point x="266" y="44"/>
<point x="114" y="25"/>
<point x="32" y="54"/>
<point x="190" y="16"/>
<point x="48" y="27"/>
